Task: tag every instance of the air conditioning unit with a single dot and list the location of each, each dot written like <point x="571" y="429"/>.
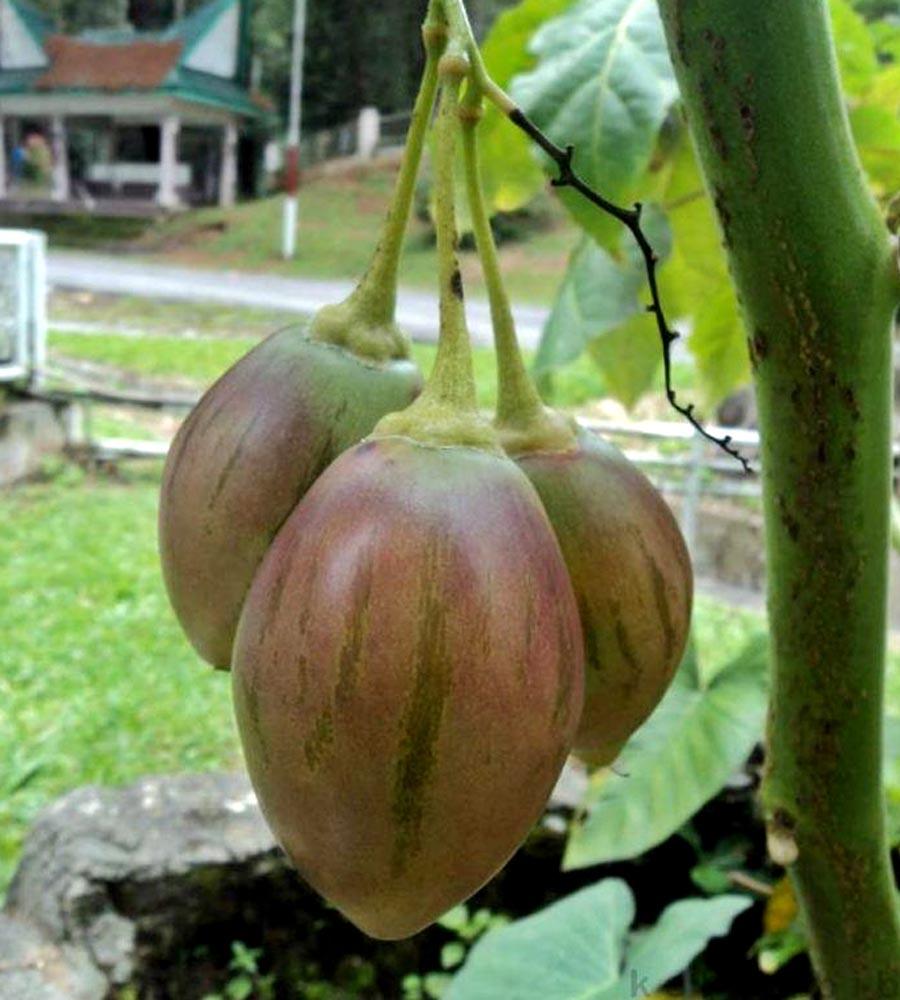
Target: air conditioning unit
<point x="23" y="306"/>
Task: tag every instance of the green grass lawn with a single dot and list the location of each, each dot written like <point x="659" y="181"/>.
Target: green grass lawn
<point x="161" y="316"/>
<point x="340" y="222"/>
<point x="97" y="683"/>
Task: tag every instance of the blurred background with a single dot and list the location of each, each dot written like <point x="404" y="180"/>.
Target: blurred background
<point x="142" y="174"/>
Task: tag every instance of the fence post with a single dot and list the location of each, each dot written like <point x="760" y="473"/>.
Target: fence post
<point x="59" y="145"/>
<point x="368" y="133"/>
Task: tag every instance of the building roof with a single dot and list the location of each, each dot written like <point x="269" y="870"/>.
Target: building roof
<point x="81" y="65"/>
<point x="204" y="59"/>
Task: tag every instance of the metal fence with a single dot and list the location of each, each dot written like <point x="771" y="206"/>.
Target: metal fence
<point x="364" y="136"/>
<point x="330" y="144"/>
<point x="677" y="459"/>
<point x="394" y="128"/>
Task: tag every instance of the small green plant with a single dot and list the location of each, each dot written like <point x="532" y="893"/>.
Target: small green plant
<point x="467" y="926"/>
<point x="246" y="977"/>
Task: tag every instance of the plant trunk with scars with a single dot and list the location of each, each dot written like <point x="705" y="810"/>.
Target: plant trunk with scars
<point x="813" y="265"/>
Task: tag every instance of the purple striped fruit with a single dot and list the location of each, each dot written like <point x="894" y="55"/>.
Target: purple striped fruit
<point x="408" y="678"/>
<point x="632" y="578"/>
<point x="250" y="450"/>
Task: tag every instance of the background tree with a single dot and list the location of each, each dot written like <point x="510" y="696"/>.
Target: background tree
<point x="76" y="15"/>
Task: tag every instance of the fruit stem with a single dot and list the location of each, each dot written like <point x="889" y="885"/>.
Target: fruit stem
<point x="521" y="413"/>
<point x="378" y="288"/>
<point x="462" y="35"/>
<point x="453" y="378"/>
<point x="364" y="322"/>
<point x="447" y="411"/>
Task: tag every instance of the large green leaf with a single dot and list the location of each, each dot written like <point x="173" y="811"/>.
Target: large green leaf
<point x="511" y="173"/>
<point x="676" y="762"/>
<point x="629" y="358"/>
<point x="876" y="131"/>
<point x="598" y="293"/>
<point x="600" y="307"/>
<point x="580" y="949"/>
<point x="657" y="955"/>
<point x="886" y="35"/>
<point x="718" y="344"/>
<point x="695" y="282"/>
<point x="697" y="264"/>
<point x="892" y="775"/>
<point x="604" y="84"/>
<point x="857" y="58"/>
<point x="885" y="89"/>
<point x="572" y="949"/>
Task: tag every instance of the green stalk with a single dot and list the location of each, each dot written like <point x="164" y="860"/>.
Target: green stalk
<point x="453" y="379"/>
<point x="523" y="421"/>
<point x="447" y="410"/>
<point x="379" y="286"/>
<point x="364" y="322"/>
<point x="819" y="284"/>
<point x="462" y="35"/>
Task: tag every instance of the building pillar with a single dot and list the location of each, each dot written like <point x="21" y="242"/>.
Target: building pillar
<point x="3" y="158"/>
<point x="59" y="147"/>
<point x="110" y="156"/>
<point x="168" y="162"/>
<point x="228" y="176"/>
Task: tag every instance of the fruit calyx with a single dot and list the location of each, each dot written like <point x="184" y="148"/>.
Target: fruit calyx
<point x="446" y="414"/>
<point x="355" y="326"/>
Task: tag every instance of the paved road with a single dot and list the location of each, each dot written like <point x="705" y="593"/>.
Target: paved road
<point x="417" y="312"/>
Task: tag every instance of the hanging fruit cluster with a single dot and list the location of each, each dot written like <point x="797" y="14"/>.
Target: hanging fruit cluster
<point x="424" y="612"/>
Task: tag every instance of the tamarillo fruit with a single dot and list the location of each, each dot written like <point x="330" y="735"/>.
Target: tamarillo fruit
<point x="408" y="677"/>
<point x="270" y="426"/>
<point x="632" y="578"/>
<point x="253" y="446"/>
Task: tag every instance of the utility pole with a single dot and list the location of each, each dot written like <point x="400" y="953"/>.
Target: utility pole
<point x="292" y="151"/>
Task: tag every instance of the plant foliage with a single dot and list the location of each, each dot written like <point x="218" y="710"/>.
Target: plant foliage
<point x="583" y="948"/>
<point x="702" y="732"/>
<point x="597" y="74"/>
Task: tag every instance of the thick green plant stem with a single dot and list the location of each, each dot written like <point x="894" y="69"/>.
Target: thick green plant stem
<point x="453" y="379"/>
<point x="447" y="410"/>
<point x="816" y="275"/>
<point x="524" y="422"/>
